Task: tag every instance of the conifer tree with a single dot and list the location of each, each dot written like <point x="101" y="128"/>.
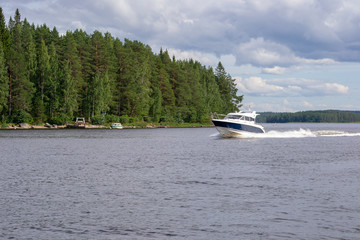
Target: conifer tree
<point x="75" y="82"/>
<point x="155" y="110"/>
<point x="52" y="89"/>
<point x="21" y="89"/>
<point x="29" y="48"/>
<point x="42" y="81"/>
<point x="83" y="47"/>
<point x="136" y="78"/>
<point x="213" y="97"/>
<point x="228" y="91"/>
<point x="17" y="17"/>
<point x="118" y="80"/>
<point x="4" y="80"/>
<point x="70" y="104"/>
<point x="100" y="93"/>
<point x="4" y="33"/>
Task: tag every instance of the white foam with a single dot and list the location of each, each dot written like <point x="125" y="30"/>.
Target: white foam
<point x="333" y="133"/>
<point x="301" y="133"/>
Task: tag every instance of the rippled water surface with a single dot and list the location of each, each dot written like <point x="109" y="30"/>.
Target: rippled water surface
<point x="294" y="182"/>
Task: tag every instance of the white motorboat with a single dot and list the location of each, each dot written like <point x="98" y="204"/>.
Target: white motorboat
<point x="237" y="123"/>
<point x="116" y="126"/>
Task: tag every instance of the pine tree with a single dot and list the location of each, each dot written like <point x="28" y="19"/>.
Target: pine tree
<point x="118" y="80"/>
<point x="29" y="50"/>
<point x="227" y="87"/>
<point x="136" y="79"/>
<point x="4" y="80"/>
<point x="4" y="33"/>
<point x="100" y="93"/>
<point x="213" y="97"/>
<point x="72" y="65"/>
<point x="155" y="111"/>
<point x="21" y="89"/>
<point x="83" y="47"/>
<point x="52" y="88"/>
<point x="70" y="105"/>
<point x="43" y="78"/>
<point x="17" y="17"/>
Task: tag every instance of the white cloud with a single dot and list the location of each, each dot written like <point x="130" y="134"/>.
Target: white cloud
<point x="78" y="25"/>
<point x="275" y="70"/>
<point x="206" y="59"/>
<point x="307" y="104"/>
<point x="324" y="61"/>
<point x="256" y="86"/>
<point x="189" y="21"/>
<point x="260" y="52"/>
<point x="264" y="53"/>
<point x="330" y="88"/>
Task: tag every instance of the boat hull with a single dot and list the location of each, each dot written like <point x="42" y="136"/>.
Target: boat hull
<point x="230" y="129"/>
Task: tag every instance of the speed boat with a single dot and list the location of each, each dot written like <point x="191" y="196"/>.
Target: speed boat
<point x="237" y="123"/>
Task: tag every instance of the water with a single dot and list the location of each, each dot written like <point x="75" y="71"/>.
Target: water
<point x="297" y="181"/>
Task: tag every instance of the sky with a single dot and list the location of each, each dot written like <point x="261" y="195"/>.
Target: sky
<point x="285" y="56"/>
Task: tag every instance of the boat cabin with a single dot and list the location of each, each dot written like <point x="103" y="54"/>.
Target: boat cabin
<point x="243" y="116"/>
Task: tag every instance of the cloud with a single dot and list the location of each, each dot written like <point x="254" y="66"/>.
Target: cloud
<point x="260" y="52"/>
<point x="330" y="88"/>
<point x="264" y="53"/>
<point x="256" y="86"/>
<point x="78" y="25"/>
<point x="307" y="104"/>
<point x="263" y="33"/>
<point x="274" y="70"/>
<point x="206" y="59"/>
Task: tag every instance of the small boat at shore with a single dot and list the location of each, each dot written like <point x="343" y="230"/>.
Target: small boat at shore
<point x="237" y="123"/>
<point x="116" y="126"/>
<point x="79" y="123"/>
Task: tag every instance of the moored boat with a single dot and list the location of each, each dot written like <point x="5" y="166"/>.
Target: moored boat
<point x="79" y="123"/>
<point x="116" y="126"/>
<point x="237" y="123"/>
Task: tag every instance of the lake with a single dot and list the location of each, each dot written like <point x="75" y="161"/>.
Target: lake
<point x="297" y="181"/>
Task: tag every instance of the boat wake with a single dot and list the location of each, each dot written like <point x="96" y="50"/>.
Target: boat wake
<point x="301" y="133"/>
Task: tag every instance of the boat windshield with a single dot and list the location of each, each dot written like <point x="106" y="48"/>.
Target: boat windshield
<point x="240" y="117"/>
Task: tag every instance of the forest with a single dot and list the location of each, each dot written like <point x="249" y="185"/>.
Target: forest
<point x="326" y="116"/>
<point x="48" y="77"/>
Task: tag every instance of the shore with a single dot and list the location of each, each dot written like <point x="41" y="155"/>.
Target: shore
<point x="25" y="126"/>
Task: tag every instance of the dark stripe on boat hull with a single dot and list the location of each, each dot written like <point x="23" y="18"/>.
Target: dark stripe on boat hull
<point x="237" y="126"/>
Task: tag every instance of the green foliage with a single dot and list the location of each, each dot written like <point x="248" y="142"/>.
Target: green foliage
<point x="21" y="88"/>
<point x="59" y="120"/>
<point x="4" y="32"/>
<point x="156" y="107"/>
<point x="126" y="119"/>
<point x="21" y="117"/>
<point x="4" y="80"/>
<point x="3" y="121"/>
<point x="53" y="78"/>
<point x="98" y="120"/>
<point x="112" y="118"/>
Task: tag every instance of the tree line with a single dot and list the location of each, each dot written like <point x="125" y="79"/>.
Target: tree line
<point x="326" y="116"/>
<point x="50" y="77"/>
